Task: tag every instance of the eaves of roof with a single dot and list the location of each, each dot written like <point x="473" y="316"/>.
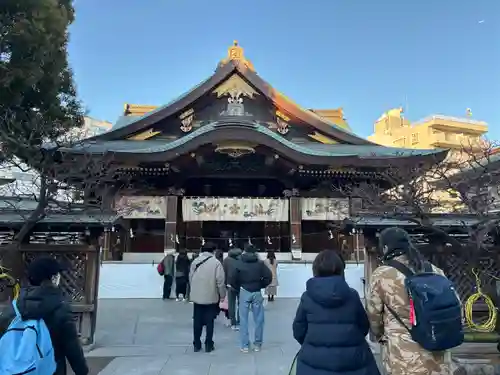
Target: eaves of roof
<point x="201" y="134"/>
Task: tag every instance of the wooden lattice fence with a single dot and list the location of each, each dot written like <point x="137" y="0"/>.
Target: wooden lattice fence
<point x="459" y="267"/>
<point x="79" y="283"/>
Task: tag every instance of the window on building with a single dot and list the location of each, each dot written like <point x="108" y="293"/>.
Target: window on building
<point x="400" y="142"/>
<point x="414" y="138"/>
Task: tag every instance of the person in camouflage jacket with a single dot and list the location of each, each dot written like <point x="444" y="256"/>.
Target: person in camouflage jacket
<point x="400" y="355"/>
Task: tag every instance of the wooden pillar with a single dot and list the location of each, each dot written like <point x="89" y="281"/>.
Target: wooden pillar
<point x="106" y="244"/>
<point x="171" y="223"/>
<point x="295" y="228"/>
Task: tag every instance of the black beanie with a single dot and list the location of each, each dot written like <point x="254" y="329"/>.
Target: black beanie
<point x="393" y="242"/>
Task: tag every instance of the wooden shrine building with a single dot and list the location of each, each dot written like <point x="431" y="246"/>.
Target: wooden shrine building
<point x="234" y="160"/>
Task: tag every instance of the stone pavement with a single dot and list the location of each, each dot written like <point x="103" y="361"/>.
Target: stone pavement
<point x="154" y="337"/>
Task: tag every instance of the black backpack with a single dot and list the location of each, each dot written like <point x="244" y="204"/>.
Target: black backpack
<point x="437" y="311"/>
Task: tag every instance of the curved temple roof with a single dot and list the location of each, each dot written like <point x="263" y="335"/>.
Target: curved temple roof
<point x="133" y="125"/>
<point x="351" y="146"/>
<point x="315" y="153"/>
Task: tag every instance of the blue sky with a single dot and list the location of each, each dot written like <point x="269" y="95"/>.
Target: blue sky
<point x="365" y="56"/>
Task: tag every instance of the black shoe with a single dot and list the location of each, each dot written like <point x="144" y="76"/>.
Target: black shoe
<point x="196" y="348"/>
<point x="209" y="348"/>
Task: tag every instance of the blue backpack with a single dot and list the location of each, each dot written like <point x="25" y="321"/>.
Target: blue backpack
<point x="26" y="347"/>
<point x="435" y="310"/>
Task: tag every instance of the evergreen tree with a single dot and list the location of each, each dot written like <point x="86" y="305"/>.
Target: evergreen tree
<point x="38" y="100"/>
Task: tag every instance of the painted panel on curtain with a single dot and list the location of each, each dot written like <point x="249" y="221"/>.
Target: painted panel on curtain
<point x="234" y="209"/>
<point x="141" y="207"/>
<point x="325" y="209"/>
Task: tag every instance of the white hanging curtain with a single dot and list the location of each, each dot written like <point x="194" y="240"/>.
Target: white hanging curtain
<point x="325" y="209"/>
<point x="141" y="207"/>
<point x="234" y="209"/>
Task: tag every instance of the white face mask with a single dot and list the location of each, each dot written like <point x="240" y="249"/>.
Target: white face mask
<point x="56" y="279"/>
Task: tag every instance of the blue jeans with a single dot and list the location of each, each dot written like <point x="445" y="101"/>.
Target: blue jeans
<point x="251" y="301"/>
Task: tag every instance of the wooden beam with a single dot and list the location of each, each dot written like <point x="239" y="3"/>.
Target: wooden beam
<point x="322" y="138"/>
<point x="144" y="135"/>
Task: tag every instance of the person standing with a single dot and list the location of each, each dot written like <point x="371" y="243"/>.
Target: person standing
<point x="168" y="273"/>
<point x="206" y="278"/>
<point x="250" y="276"/>
<point x="272" y="263"/>
<point x="392" y="313"/>
<point x="229" y="265"/>
<point x="331" y="324"/>
<point x="45" y="300"/>
<point x="182" y="264"/>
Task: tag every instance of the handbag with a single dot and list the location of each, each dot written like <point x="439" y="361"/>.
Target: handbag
<point x="161" y="268"/>
<point x="224" y="304"/>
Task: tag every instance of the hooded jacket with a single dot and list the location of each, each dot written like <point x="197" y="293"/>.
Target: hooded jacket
<point x="230" y="262"/>
<point x="250" y="273"/>
<point x="331" y="326"/>
<point x="48" y="303"/>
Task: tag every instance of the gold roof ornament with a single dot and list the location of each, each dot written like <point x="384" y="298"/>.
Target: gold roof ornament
<point x="236" y="53"/>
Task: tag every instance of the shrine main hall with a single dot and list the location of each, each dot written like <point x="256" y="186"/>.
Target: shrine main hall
<point x="235" y="161"/>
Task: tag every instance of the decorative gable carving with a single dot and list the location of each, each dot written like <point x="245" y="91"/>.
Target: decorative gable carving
<point x="187" y="119"/>
<point x="235" y="87"/>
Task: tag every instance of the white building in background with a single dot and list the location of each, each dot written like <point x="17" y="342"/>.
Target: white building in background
<point x="17" y="182"/>
<point x="92" y="127"/>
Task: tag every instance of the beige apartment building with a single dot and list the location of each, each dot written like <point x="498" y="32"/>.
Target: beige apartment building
<point x="435" y="131"/>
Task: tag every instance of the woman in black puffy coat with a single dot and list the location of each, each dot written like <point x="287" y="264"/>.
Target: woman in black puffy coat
<point x="331" y="324"/>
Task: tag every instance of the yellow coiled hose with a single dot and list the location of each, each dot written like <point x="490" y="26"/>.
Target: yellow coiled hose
<point x="490" y="324"/>
<point x="4" y="276"/>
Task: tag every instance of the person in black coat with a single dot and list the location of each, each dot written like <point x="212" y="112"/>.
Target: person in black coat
<point x="182" y="265"/>
<point x="331" y="324"/>
<point x="45" y="300"/>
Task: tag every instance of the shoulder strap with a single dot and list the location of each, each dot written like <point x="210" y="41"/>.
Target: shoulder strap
<point x="408" y="273"/>
<point x="396" y="316"/>
<point x="199" y="264"/>
<point x="428" y="267"/>
<point x="16" y="310"/>
<point x="400" y="267"/>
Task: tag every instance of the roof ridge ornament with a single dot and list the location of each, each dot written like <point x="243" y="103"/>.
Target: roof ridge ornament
<point x="237" y="54"/>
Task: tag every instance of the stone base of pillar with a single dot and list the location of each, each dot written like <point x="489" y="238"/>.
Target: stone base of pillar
<point x="296" y="254"/>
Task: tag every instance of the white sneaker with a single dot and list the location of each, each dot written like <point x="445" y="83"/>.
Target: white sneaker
<point x="245" y="350"/>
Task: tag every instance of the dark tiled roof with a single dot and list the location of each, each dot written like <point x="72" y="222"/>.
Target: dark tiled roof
<point x="309" y="148"/>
